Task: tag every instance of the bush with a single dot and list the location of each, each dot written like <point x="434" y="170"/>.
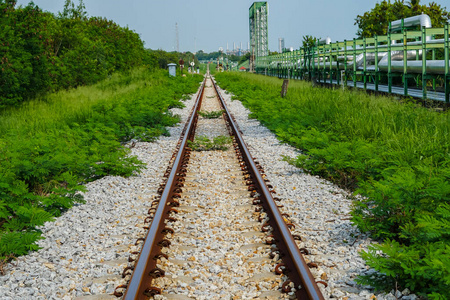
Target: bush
<point x="41" y="52"/>
<point x="395" y="155"/>
<point x="51" y="147"/>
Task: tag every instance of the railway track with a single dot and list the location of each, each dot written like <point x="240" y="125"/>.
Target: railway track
<point x="216" y="231"/>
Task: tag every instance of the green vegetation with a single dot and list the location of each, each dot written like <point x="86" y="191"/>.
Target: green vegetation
<point x="51" y="146"/>
<point x="57" y="133"/>
<point x="395" y="155"/>
<point x="163" y="58"/>
<point x="376" y="21"/>
<point x="212" y="68"/>
<point x="244" y="58"/>
<point x="309" y="41"/>
<point x="203" y="143"/>
<point x="211" y="114"/>
<point x="41" y="52"/>
<point x="214" y="55"/>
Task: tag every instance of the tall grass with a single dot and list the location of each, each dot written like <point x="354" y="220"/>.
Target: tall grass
<point x="395" y="154"/>
<point x="407" y="129"/>
<point x="75" y="105"/>
<point x="51" y="146"/>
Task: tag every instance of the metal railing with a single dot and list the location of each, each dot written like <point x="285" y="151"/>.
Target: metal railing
<point x="410" y="59"/>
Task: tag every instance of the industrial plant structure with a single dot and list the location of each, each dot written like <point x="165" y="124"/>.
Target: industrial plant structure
<point x="259" y="37"/>
<point x="411" y="60"/>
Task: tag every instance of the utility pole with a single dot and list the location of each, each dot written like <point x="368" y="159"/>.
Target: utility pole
<point x="177" y="37"/>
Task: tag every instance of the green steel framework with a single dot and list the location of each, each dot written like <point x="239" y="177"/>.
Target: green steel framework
<point x="259" y="39"/>
<point x="332" y="63"/>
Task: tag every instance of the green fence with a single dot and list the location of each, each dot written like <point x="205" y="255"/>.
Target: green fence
<point x="411" y="59"/>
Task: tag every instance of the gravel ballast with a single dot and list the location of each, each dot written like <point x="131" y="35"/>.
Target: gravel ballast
<point x="217" y="250"/>
<point x="86" y="250"/>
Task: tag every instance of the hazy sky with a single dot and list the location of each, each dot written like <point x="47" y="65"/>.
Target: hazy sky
<point x="209" y="24"/>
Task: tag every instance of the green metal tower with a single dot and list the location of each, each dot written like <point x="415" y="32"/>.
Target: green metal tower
<point x="259" y="37"/>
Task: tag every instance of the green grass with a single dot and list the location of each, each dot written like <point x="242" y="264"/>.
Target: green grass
<point x="212" y="68"/>
<point x="51" y="146"/>
<point x="211" y="114"/>
<point x="396" y="155"/>
<point x="75" y="105"/>
<point x="203" y="143"/>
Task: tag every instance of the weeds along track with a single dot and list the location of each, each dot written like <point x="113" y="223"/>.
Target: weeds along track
<point x="216" y="231"/>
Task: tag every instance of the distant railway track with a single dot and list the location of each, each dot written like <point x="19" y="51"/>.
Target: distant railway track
<point x="216" y="230"/>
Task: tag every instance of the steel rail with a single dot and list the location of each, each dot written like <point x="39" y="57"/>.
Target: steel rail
<point x="145" y="268"/>
<point x="297" y="269"/>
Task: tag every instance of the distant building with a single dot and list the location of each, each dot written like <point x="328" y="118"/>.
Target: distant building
<point x="238" y="51"/>
<point x="280" y="45"/>
<point x="259" y="37"/>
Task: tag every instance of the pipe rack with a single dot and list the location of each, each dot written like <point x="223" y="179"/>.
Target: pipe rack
<point x="409" y="55"/>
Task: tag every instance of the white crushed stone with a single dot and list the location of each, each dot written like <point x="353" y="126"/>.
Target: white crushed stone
<point x="319" y="209"/>
<point x="217" y="251"/>
<point x="85" y="250"/>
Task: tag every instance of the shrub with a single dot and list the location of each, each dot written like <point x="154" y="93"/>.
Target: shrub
<point x="42" y="52"/>
<point x="52" y="146"/>
<point x="395" y="155"/>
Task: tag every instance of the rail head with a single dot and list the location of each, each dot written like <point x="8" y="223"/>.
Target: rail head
<point x="297" y="269"/>
<point x="141" y="278"/>
<point x="139" y="286"/>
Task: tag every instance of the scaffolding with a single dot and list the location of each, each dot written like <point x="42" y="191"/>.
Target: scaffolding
<point x="259" y="37"/>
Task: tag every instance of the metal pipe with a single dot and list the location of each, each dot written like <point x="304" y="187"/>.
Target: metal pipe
<point x="435" y="41"/>
<point x="415" y="66"/>
<point x="345" y="58"/>
<point x="423" y="20"/>
<point x="325" y="41"/>
<point x="398" y="56"/>
<point x="370" y="57"/>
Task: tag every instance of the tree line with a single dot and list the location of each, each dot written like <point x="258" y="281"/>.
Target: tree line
<point x="41" y="52"/>
<point x="376" y="21"/>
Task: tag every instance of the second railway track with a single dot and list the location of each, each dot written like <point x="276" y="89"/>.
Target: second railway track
<point x="216" y="231"/>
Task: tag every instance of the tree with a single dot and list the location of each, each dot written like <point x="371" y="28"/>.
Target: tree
<point x="41" y="52"/>
<point x="24" y="65"/>
<point x="70" y="12"/>
<point x="414" y="5"/>
<point x="309" y="41"/>
<point x="376" y="21"/>
<point x="244" y="58"/>
<point x="163" y="58"/>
